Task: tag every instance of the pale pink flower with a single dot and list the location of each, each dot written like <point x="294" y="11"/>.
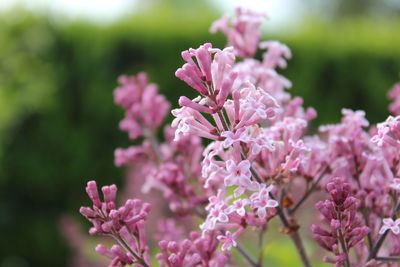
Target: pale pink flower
<point x="261" y="200"/>
<point x="275" y="55"/>
<point x="260" y="143"/>
<point x="389" y="224"/>
<point x="237" y="171"/>
<point x="228" y="240"/>
<point x="216" y="214"/>
<point x="238" y="207"/>
<point x="233" y="137"/>
<point x="243" y="32"/>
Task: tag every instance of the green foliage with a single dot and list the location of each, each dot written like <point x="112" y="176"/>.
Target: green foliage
<point x="59" y="126"/>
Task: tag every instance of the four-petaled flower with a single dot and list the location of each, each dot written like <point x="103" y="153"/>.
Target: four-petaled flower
<point x="238" y="207"/>
<point x="237" y="172"/>
<point x="389" y="224"/>
<point x="228" y="240"/>
<point x="261" y="201"/>
<point x="231" y="138"/>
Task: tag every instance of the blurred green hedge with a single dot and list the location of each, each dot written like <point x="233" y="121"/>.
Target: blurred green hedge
<point x="59" y="126"/>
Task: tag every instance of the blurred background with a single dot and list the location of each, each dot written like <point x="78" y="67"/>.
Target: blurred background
<point x="59" y="61"/>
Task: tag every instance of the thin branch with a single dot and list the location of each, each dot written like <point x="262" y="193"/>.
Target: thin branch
<point x="344" y="248"/>
<point x="306" y="195"/>
<point x="246" y="255"/>
<point x="300" y="248"/>
<point x="388" y="258"/>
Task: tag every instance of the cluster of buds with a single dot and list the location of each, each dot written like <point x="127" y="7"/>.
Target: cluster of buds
<point x="125" y="224"/>
<point x="346" y="226"/>
<point x="201" y="251"/>
<point x="139" y="98"/>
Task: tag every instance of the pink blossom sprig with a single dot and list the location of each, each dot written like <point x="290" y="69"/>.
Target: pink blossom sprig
<point x="242" y="32"/>
<point x="125" y="225"/>
<point x="139" y="98"/>
<point x="346" y="226"/>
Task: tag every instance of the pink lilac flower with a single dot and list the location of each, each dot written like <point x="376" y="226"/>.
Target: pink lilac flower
<point x="228" y="240"/>
<point x="238" y="207"/>
<point x="239" y="175"/>
<point x="139" y="98"/>
<point x="260" y="142"/>
<point x="388" y="132"/>
<point x="190" y="121"/>
<point x="243" y="34"/>
<point x="125" y="224"/>
<point x="231" y="138"/>
<point x="261" y="200"/>
<point x="206" y="246"/>
<point x="275" y="55"/>
<point x="389" y="224"/>
<point x="237" y="172"/>
<point x="175" y="254"/>
<point x="395" y="184"/>
<point x="340" y="214"/>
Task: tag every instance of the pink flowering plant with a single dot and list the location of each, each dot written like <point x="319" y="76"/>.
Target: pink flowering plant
<point x="239" y="156"/>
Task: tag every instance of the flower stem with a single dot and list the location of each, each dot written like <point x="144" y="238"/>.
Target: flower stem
<point x="246" y="255"/>
<point x="295" y="236"/>
<point x="344" y="248"/>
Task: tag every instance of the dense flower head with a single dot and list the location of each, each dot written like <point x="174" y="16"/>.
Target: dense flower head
<point x="125" y="225"/>
<point x="243" y="31"/>
<point x="340" y="214"/>
<point x="139" y="98"/>
<point x="198" y="251"/>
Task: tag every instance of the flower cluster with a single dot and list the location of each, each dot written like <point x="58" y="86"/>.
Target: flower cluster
<point x="201" y="251"/>
<point x="125" y="225"/>
<point x="346" y="226"/>
<point x="243" y="31"/>
<point x="139" y="98"/>
<point x="259" y="162"/>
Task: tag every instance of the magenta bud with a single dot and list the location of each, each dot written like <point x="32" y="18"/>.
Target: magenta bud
<point x="173" y="247"/>
<point x="91" y="190"/>
<point x="173" y="259"/>
<point x="87" y="212"/>
<point x="163" y="244"/>
<point x="186" y="102"/>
